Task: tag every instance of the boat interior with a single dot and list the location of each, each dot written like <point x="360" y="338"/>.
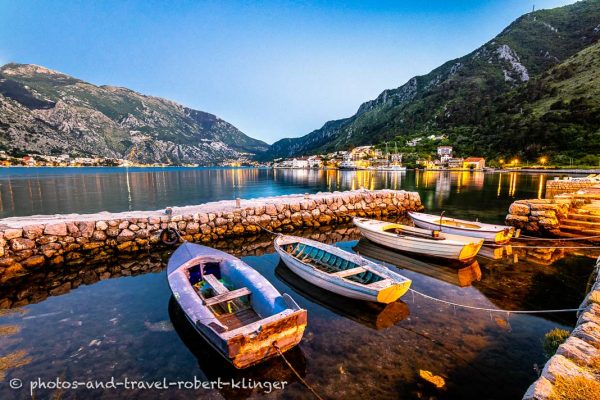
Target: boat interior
<point x="413" y="232"/>
<point x="332" y="264"/>
<point x="458" y="224"/>
<point x="220" y="291"/>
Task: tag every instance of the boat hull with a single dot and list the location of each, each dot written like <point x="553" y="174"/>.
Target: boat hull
<point x="446" y="249"/>
<point x="340" y="286"/>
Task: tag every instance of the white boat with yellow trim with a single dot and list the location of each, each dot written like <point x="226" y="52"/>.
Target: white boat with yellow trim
<point x="499" y="234"/>
<point x="339" y="271"/>
<point x="424" y="242"/>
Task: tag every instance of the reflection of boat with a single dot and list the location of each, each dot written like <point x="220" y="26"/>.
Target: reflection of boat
<point x="463" y="276"/>
<point x="339" y="271"/>
<point x="490" y="233"/>
<point x="213" y="367"/>
<point x="496" y="253"/>
<point x="419" y="241"/>
<point x="374" y="315"/>
<point x="242" y="322"/>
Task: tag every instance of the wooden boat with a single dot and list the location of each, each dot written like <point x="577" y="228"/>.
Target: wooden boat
<point x="372" y="315"/>
<point x="234" y="307"/>
<point x="419" y="241"/>
<point x="339" y="271"/>
<point x="462" y="274"/>
<point x="499" y="234"/>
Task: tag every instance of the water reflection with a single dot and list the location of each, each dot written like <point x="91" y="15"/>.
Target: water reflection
<point x="27" y="191"/>
<point x="39" y="284"/>
<point x="124" y="327"/>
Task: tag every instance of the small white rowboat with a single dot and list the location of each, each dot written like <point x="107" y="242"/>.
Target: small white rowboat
<point x="498" y="234"/>
<point x="339" y="271"/>
<point x="424" y="242"/>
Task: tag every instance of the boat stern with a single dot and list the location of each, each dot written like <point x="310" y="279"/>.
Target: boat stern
<point x="504" y="235"/>
<point x="256" y="344"/>
<point x="393" y="292"/>
<point x="469" y="251"/>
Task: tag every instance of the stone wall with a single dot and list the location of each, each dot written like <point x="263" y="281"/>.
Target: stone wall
<point x="539" y="216"/>
<point x="554" y="187"/>
<point x="577" y="360"/>
<point x="27" y="243"/>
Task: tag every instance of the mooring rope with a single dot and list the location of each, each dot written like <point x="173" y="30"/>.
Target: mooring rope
<point x="527" y="237"/>
<point x="544" y="247"/>
<point x="498" y="310"/>
<point x="265" y="229"/>
<point x="296" y="372"/>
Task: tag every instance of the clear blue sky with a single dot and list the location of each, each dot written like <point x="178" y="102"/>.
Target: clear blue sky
<point x="273" y="69"/>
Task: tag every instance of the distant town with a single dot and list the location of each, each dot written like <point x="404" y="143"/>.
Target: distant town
<point x="359" y="158"/>
<point x="372" y="157"/>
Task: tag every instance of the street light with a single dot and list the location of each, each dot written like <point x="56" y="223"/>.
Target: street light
<point x="515" y="161"/>
<point x="543" y="160"/>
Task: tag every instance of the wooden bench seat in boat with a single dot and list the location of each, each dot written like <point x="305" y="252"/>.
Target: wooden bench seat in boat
<point x="348" y="272"/>
<point x="223" y="294"/>
<point x="224" y="297"/>
<point x="214" y="283"/>
<point x="331" y="263"/>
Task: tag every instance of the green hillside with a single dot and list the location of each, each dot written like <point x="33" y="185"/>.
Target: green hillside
<point x="459" y="97"/>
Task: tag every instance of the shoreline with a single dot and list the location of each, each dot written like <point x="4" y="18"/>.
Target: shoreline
<point x="487" y="170"/>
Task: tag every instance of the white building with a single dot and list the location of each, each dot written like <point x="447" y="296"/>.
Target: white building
<point x="315" y="162"/>
<point x="301" y="162"/>
<point x="445" y="153"/>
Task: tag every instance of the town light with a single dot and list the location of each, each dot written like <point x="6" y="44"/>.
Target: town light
<point x="515" y="161"/>
<point x="543" y="160"/>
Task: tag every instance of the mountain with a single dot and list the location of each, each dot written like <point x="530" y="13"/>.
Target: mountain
<point x="458" y="96"/>
<point x="556" y="113"/>
<point x="48" y="112"/>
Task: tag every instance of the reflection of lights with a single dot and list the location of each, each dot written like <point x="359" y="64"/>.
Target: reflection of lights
<point x="499" y="185"/>
<point x="129" y="199"/>
<point x="541" y="186"/>
<point x="513" y="184"/>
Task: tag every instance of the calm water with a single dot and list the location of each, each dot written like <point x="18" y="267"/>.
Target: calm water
<point x="75" y="324"/>
<point x="29" y="191"/>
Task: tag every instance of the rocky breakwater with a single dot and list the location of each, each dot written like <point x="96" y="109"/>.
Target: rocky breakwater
<point x="27" y="243"/>
<point x="574" y="371"/>
<point x="538" y="216"/>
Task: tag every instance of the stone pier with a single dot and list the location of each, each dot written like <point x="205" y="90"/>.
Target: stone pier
<point x="576" y="365"/>
<point x="566" y="215"/>
<point x="27" y="243"/>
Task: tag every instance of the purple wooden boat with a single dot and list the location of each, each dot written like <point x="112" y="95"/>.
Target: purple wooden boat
<point x="233" y="306"/>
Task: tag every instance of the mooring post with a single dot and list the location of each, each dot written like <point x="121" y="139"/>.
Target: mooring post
<point x="238" y="202"/>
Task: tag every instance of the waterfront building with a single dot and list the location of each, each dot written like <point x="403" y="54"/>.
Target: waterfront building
<point x="474" y="163"/>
